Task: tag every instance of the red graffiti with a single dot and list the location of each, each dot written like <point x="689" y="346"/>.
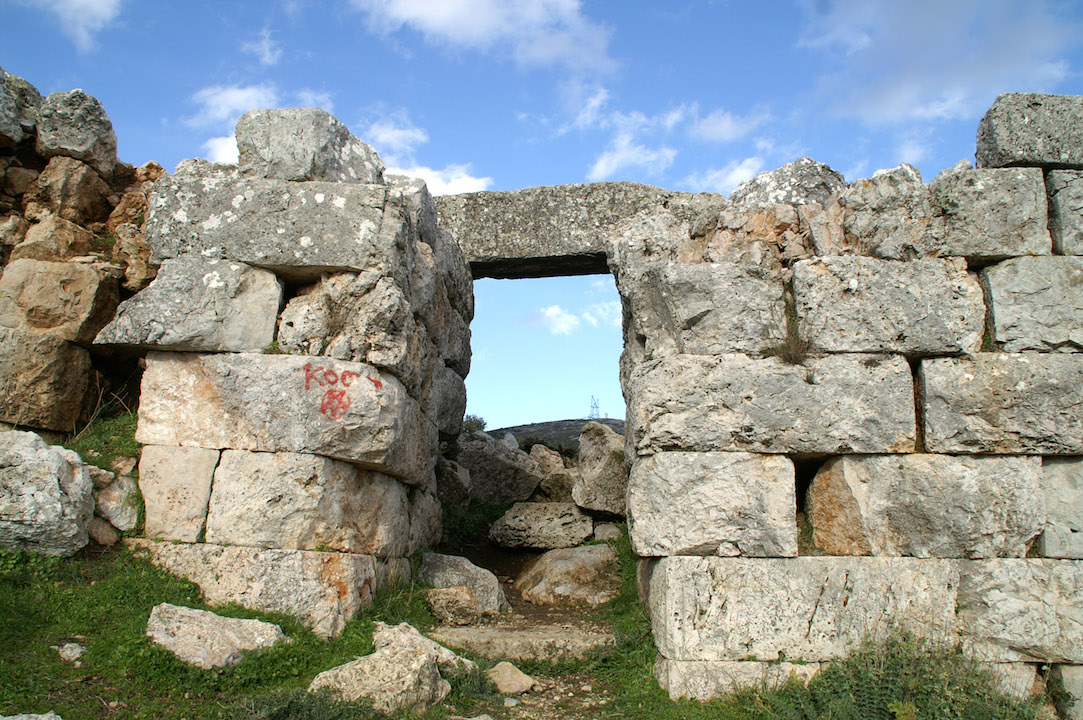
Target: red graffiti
<point x="335" y="404"/>
<point x="379" y="385"/>
<point x="348" y="376"/>
<point x="311" y="375"/>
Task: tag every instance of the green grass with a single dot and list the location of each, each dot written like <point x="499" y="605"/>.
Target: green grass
<point x="106" y="439"/>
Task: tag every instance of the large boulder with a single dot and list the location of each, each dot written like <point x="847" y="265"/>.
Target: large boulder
<point x="71" y="189"/>
<point x="1037" y="303"/>
<point x="70" y="301"/>
<point x="579" y="575"/>
<point x="603" y="476"/>
<point x="27" y="101"/>
<point x="1032" y="129"/>
<point x="890" y="215"/>
<point x="704" y="680"/>
<point x="448" y="571"/>
<point x="407" y="637"/>
<point x="54" y="238"/>
<point x="207" y="640"/>
<point x="43" y="380"/>
<point x="797" y="183"/>
<point x="498" y="474"/>
<point x="393" y="679"/>
<point x="11" y="130"/>
<point x="542" y="526"/>
<point x="46" y="499"/>
<point x="74" y="124"/>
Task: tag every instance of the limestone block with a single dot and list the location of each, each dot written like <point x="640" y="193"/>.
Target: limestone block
<point x="1065" y="191"/>
<point x="176" y="487"/>
<point x="451" y="333"/>
<point x="74" y="124"/>
<point x="65" y="300"/>
<point x="303" y="144"/>
<point x="12" y="231"/>
<point x="207" y="640"/>
<point x="452" y="483"/>
<point x="992" y="214"/>
<point x="1037" y="303"/>
<point x="119" y="503"/>
<point x="541" y="525"/>
<point x="70" y="189"/>
<point x="1032" y="129"/>
<point x="426" y="521"/>
<point x="27" y="100"/>
<point x="406" y="637"/>
<point x="54" y="238"/>
<point x="603" y="476"/>
<point x="1001" y="403"/>
<point x="704" y="680"/>
<point x="304" y="502"/>
<point x="454" y="605"/>
<point x="283" y="403"/>
<point x="802" y="181"/>
<point x="834" y="404"/>
<point x="298" y="230"/>
<point x="449" y="397"/>
<point x="102" y="532"/>
<point x="43" y="380"/>
<point x="199" y="306"/>
<point x="393" y="679"/>
<point x="927" y="505"/>
<point x="557" y="486"/>
<point x="321" y="589"/>
<point x="1021" y="610"/>
<point x="1071" y="679"/>
<point x="131" y="209"/>
<point x="132" y="251"/>
<point x="717" y="503"/>
<point x="11" y="130"/>
<point x="1020" y="680"/>
<point x="571" y="576"/>
<point x="498" y="474"/>
<point x="1062" y="483"/>
<point x="548" y="460"/>
<point x="860" y="304"/>
<point x="545" y="643"/>
<point x="890" y="215"/>
<point x="447" y="571"/>
<point x="45" y="496"/>
<point x="812" y="608"/>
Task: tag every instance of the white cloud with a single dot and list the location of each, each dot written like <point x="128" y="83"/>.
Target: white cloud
<point x="395" y="134"/>
<point x="624" y="153"/>
<point x="723" y="126"/>
<point x="222" y="149"/>
<point x="315" y="98"/>
<point x="559" y="321"/>
<point x="452" y="180"/>
<point x="223" y="105"/>
<point x="726" y="179"/>
<point x="264" y="48"/>
<point x="80" y="20"/>
<point x="533" y="32"/>
<point x="912" y="150"/>
<point x="607" y="313"/>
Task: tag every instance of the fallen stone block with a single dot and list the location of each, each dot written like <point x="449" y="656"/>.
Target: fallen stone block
<point x="1065" y="191"/>
<point x="452" y="483"/>
<point x="571" y="576"/>
<point x="541" y="525"/>
<point x="43" y="380"/>
<point x="394" y="679"/>
<point x="199" y="305"/>
<point x="1028" y="403"/>
<point x="454" y="605"/>
<point x="207" y="640"/>
<point x="812" y="608"/>
<point x="176" y="486"/>
<point x="406" y="637"/>
<point x="448" y="571"/>
<point x="68" y="301"/>
<point x="74" y="124"/>
<point x="1032" y="129"/>
<point x="119" y="503"/>
<point x="510" y="680"/>
<point x="718" y="503"/>
<point x="46" y="500"/>
<point x="1037" y="303"/>
<point x="346" y="411"/>
<point x="297" y="501"/>
<point x="704" y="680"/>
<point x="1062" y="483"/>
<point x="859" y="304"/>
<point x="603" y="477"/>
<point x="69" y="189"/>
<point x="53" y="239"/>
<point x="544" y="643"/>
<point x="549" y="461"/>
<point x="1021" y="610"/>
<point x="927" y="505"/>
<point x="321" y="589"/>
<point x="834" y="404"/>
<point x="498" y="474"/>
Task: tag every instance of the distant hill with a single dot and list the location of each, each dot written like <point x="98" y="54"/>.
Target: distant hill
<point x="563" y="433"/>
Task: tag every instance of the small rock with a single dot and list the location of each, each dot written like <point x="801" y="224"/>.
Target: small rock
<point x="102" y="532"/>
<point x="119" y="504"/>
<point x="548" y="460"/>
<point x="123" y="465"/>
<point x="607" y="531"/>
<point x="69" y="652"/>
<point x="509" y="679"/>
<point x="208" y="640"/>
<point x="454" y="605"/>
<point x="512" y="702"/>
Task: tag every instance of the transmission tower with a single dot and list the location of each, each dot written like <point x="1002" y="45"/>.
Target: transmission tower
<point x="594" y="414"/>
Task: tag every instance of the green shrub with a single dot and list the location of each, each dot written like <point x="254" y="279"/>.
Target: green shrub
<point x="473" y="424"/>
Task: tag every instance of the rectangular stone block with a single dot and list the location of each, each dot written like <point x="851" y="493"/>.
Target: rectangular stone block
<point x="692" y="503"/>
<point x="284" y="403"/>
<point x="43" y="380"/>
<point x="321" y="589"/>
<point x="835" y="404"/>
<point x="888" y="215"/>
<point x="992" y="214"/>
<point x="1071" y="679"/>
<point x="69" y="301"/>
<point x="1021" y="610"/>
<point x="1037" y="303"/>
<point x="809" y="608"/>
<point x="1027" y="403"/>
<point x="176" y="485"/>
<point x="1032" y="129"/>
<point x="927" y="505"/>
<point x="860" y="304"/>
<point x="1065" y="191"/>
<point x="296" y="501"/>
<point x="1062" y="483"/>
<point x="298" y="230"/>
<point x="704" y="680"/>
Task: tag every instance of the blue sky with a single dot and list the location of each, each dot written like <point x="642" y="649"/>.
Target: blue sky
<point x="504" y="94"/>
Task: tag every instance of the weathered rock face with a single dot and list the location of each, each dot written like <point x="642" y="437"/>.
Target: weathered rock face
<point x="321" y="589"/>
<point x="1021" y="610"/>
<point x="541" y="525"/>
<point x="813" y="608"/>
<point x="603" y="476"/>
<point x="119" y="503"/>
<point x="132" y="251"/>
<point x="1065" y="189"/>
<point x="694" y="503"/>
<point x="927" y="505"/>
<point x="207" y="640"/>
<point x="1032" y="129"/>
<point x="1001" y="403"/>
<point x="797" y="183"/>
<point x="64" y="300"/>
<point x="539" y="642"/>
<point x="405" y="636"/>
<point x="549" y="461"/>
<point x="176" y="487"/>
<point x="70" y="189"/>
<point x="734" y="402"/>
<point x="454" y="605"/>
<point x="74" y="124"/>
<point x="858" y="304"/>
<point x="452" y="483"/>
<point x="305" y="502"/>
<point x="199" y="306"/>
<point x="890" y="215"/>
<point x="706" y="680"/>
<point x="1071" y="679"/>
<point x="1037" y="303"/>
<point x="347" y="411"/>
<point x="1062" y="483"/>
<point x="498" y="474"/>
<point x="578" y="575"/>
<point x="394" y="679"/>
<point x="45" y="496"/>
<point x="54" y="238"/>
<point x="304" y="144"/>
<point x="426" y="520"/>
<point x="448" y="571"/>
<point x="11" y="130"/>
<point x="43" y="380"/>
